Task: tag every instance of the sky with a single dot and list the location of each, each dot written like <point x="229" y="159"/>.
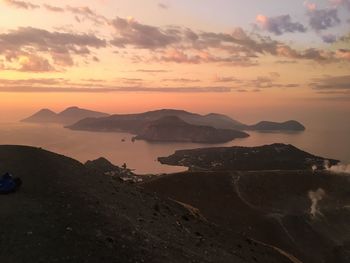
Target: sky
<point x="250" y="59"/>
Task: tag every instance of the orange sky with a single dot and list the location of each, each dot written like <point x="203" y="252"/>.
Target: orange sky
<point x="248" y="60"/>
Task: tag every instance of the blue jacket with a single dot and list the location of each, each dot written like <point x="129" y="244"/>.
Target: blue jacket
<point x="7" y="184"/>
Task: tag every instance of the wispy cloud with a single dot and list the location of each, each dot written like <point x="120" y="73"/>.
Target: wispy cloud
<point x="329" y="38"/>
<point x="182" y="45"/>
<point x="86" y="13"/>
<point x="34" y="63"/>
<point x="152" y="70"/>
<point x="50" y="89"/>
<point x="310" y="6"/>
<point x="322" y="19"/>
<point x="82" y="13"/>
<point x="53" y="8"/>
<point x="28" y="46"/>
<point x="130" y="32"/>
<point x="163" y="6"/>
<point x="58" y="50"/>
<point x="31" y="82"/>
<point x="21" y="4"/>
<point x="331" y="84"/>
<point x="279" y="25"/>
<point x="134" y="84"/>
<point x="341" y="3"/>
<point x="225" y="79"/>
<point x="182" y="80"/>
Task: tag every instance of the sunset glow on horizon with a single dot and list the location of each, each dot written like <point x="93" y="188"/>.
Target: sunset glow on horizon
<point x="247" y="59"/>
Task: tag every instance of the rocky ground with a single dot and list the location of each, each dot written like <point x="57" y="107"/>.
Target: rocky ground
<point x="303" y="212"/>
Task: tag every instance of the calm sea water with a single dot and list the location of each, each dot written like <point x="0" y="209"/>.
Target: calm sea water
<point x="142" y="156"/>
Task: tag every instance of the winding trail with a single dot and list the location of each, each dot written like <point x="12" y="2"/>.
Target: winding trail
<point x="236" y="179"/>
<point x="276" y="216"/>
<point x="282" y="252"/>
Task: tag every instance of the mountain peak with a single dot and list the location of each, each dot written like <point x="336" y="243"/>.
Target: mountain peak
<point x="68" y="116"/>
<point x="73" y="108"/>
<point x="70" y="109"/>
<point x="43" y="115"/>
<point x="45" y="110"/>
<point x="170" y="111"/>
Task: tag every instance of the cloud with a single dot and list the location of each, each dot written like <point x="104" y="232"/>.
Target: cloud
<point x="322" y="19"/>
<point x="60" y="47"/>
<point x="63" y="59"/>
<point x="345" y="38"/>
<point x="341" y="3"/>
<point x="54" y="8"/>
<point x="131" y="32"/>
<point x="182" y="45"/>
<point x="56" y="85"/>
<point x="225" y="79"/>
<point x="331" y="84"/>
<point x="179" y="56"/>
<point x="171" y="44"/>
<point x="286" y="62"/>
<point x="194" y="56"/>
<point x="310" y="6"/>
<point x="81" y="12"/>
<point x="51" y="89"/>
<point x="266" y="82"/>
<point x="32" y="81"/>
<point x="182" y="80"/>
<point x="85" y="12"/>
<point x="175" y="44"/>
<point x="131" y="81"/>
<point x="152" y="70"/>
<point x="163" y="6"/>
<point x="343" y="54"/>
<point x="45" y="40"/>
<point x="21" y="4"/>
<point x="249" y="48"/>
<point x="279" y="25"/>
<point x="329" y="38"/>
<point x="275" y="75"/>
<point x="34" y="63"/>
<point x="134" y="85"/>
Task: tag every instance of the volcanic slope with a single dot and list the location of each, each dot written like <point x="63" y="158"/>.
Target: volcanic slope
<point x="302" y="212"/>
<point x="67" y="212"/>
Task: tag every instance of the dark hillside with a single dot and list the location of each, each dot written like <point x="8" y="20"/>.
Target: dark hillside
<point x="275" y="207"/>
<point x="65" y="212"/>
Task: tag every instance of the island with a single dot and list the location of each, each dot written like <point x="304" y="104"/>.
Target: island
<point x="173" y="129"/>
<point x="67" y="116"/>
<point x="268" y="157"/>
<point x="291" y="125"/>
<point x="133" y="122"/>
<point x="165" y="125"/>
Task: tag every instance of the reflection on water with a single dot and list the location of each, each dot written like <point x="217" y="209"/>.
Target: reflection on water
<point x="142" y="156"/>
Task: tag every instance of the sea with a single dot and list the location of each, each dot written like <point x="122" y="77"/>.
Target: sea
<point x="330" y="141"/>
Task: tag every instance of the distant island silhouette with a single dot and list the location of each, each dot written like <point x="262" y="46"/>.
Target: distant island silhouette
<point x="165" y="125"/>
<point x="67" y="116"/>
<point x="277" y="156"/>
<point x="174" y="129"/>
